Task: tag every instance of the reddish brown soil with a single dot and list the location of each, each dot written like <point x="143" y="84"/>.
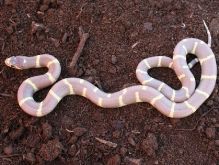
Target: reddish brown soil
<point x="142" y="134"/>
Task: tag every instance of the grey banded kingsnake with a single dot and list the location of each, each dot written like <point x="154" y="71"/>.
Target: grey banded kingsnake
<point x="172" y="103"/>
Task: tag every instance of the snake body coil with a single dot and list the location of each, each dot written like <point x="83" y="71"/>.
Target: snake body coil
<point x="172" y="103"/>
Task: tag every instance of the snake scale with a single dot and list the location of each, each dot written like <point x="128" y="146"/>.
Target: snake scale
<point x="172" y="103"/>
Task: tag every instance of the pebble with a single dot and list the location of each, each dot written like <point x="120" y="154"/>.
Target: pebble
<point x="114" y="160"/>
<point x="174" y="121"/>
<point x="131" y="141"/>
<point x="148" y="26"/>
<point x="43" y="8"/>
<point x="10" y="2"/>
<point x="79" y="131"/>
<point x="96" y="62"/>
<point x="156" y="162"/>
<point x="123" y="151"/>
<point x="30" y="157"/>
<point x="15" y="134"/>
<point x="210" y="132"/>
<point x="214" y="26"/>
<point x="1" y="2"/>
<point x="210" y="102"/>
<point x="51" y="150"/>
<point x="36" y="27"/>
<point x="46" y="2"/>
<point x="217" y="143"/>
<point x="112" y="70"/>
<point x="132" y="161"/>
<point x="9" y="29"/>
<point x="8" y="150"/>
<point x="116" y="134"/>
<point x="47" y="130"/>
<point x="72" y="150"/>
<point x="113" y="59"/>
<point x="73" y="139"/>
<point x="150" y="145"/>
<point x="56" y="42"/>
<point x="64" y="37"/>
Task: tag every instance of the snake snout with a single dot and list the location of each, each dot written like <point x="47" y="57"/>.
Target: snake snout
<point x="8" y="61"/>
<point x="11" y="62"/>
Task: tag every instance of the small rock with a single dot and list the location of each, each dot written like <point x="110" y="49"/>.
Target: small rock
<point x="123" y="151"/>
<point x="114" y="59"/>
<point x="118" y="124"/>
<point x="148" y="26"/>
<point x="30" y="157"/>
<point x="79" y="131"/>
<point x="210" y="103"/>
<point x="8" y="150"/>
<point x="73" y="139"/>
<point x="97" y="116"/>
<point x="51" y="150"/>
<point x="216" y="153"/>
<point x="210" y="132"/>
<point x="9" y="29"/>
<point x="132" y="161"/>
<point x="47" y="130"/>
<point x="214" y="120"/>
<point x="54" y="3"/>
<point x="131" y="141"/>
<point x="181" y="151"/>
<point x="150" y="145"/>
<point x="114" y="160"/>
<point x="43" y="8"/>
<point x="16" y="133"/>
<point x="36" y="27"/>
<point x="46" y="2"/>
<point x="88" y="72"/>
<point x="1" y="2"/>
<point x="217" y="142"/>
<point x="112" y="70"/>
<point x="64" y="37"/>
<point x="72" y="150"/>
<point x="214" y="26"/>
<point x="10" y="2"/>
<point x="116" y="134"/>
<point x="96" y="62"/>
<point x="174" y="121"/>
<point x="56" y="42"/>
<point x="156" y="162"/>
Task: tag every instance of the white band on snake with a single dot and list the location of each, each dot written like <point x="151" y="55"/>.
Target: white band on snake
<point x="172" y="103"/>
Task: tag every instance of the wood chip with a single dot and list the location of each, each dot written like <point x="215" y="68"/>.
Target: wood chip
<point x="108" y="143"/>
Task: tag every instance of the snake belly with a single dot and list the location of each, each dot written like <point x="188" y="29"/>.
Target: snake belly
<point x="172" y="103"/>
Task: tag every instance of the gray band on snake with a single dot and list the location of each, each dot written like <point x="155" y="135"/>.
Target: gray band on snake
<point x="172" y="103"/>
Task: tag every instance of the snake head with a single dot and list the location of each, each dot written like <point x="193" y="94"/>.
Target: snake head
<point x="15" y="62"/>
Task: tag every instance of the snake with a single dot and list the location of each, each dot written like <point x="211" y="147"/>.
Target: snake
<point x="172" y="103"/>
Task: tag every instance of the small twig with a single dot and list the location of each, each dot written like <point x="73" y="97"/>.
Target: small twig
<point x="6" y="95"/>
<point x="203" y="115"/>
<point x="69" y="130"/>
<point x="2" y="71"/>
<point x="135" y="132"/>
<point x="135" y="44"/>
<point x="3" y="46"/>
<point x="108" y="143"/>
<point x="9" y="156"/>
<point x="81" y="9"/>
<point x="83" y="38"/>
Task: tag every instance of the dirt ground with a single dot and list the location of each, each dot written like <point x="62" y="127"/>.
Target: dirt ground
<point x="140" y="134"/>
